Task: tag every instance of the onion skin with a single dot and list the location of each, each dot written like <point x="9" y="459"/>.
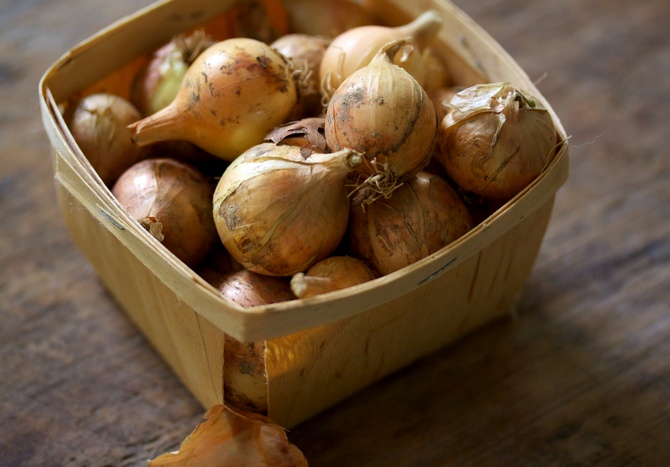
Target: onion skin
<point x="494" y="140"/>
<point x="278" y="213"/>
<point x="421" y="217"/>
<point x="173" y="201"/>
<point x="232" y="95"/>
<point x="330" y="274"/>
<point x="98" y="124"/>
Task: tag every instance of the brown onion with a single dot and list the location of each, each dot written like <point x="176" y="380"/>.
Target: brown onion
<point x="98" y="125"/>
<point x="330" y="274"/>
<point x="157" y="83"/>
<point x="233" y="437"/>
<point x="384" y="113"/>
<point x="244" y="378"/>
<point x="355" y="48"/>
<point x="495" y="140"/>
<point x="421" y="217"/>
<point x="278" y="213"/>
<point x="173" y="201"/>
<point x="327" y="18"/>
<point x="305" y="52"/>
<point x="234" y="93"/>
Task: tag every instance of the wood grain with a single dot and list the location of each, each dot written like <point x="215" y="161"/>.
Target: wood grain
<point x="580" y="377"/>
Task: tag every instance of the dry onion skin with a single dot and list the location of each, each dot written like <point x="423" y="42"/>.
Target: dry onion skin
<point x="277" y="212"/>
<point x="233" y="437"/>
<point x="495" y="139"/>
<point x="384" y="113"/>
<point x="331" y="274"/>
<point x="98" y="125"/>
<point x="232" y="95"/>
<point x="173" y="201"/>
<point x="157" y="83"/>
<point x="355" y="48"/>
<point x="305" y="52"/>
<point x="421" y="217"/>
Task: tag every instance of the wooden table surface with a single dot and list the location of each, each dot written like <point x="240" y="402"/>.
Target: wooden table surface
<point x="581" y="377"/>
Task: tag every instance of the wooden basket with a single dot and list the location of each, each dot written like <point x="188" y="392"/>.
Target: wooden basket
<point x="320" y="350"/>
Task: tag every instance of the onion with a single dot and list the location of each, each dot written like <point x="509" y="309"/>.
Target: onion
<point x="231" y="437"/>
<point x="278" y="213"/>
<point x="383" y="112"/>
<point x="307" y="134"/>
<point x="327" y="18"/>
<point x="244" y="379"/>
<point x="355" y="48"/>
<point x="421" y="217"/>
<point x="494" y="139"/>
<point x="330" y="274"/>
<point x="305" y="52"/>
<point x="157" y="83"/>
<point x="173" y="201"/>
<point x="234" y="93"/>
<point x="98" y="125"/>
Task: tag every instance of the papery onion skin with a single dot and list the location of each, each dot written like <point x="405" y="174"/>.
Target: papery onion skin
<point x="330" y="274"/>
<point x="234" y="437"/>
<point x="233" y="94"/>
<point x="383" y="112"/>
<point x="421" y="217"/>
<point x="495" y="140"/>
<point x="173" y="201"/>
<point x="98" y="125"/>
<point x="278" y="213"/>
<point x="244" y="377"/>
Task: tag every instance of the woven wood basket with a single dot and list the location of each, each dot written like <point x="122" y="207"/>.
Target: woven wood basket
<point x="313" y="352"/>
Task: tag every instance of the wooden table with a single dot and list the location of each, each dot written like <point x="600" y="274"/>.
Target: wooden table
<point x="581" y="377"/>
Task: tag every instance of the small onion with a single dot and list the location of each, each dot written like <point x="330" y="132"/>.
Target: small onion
<point x="330" y="274"/>
<point x="383" y="112"/>
<point x="495" y="140"/>
<point x="278" y="213"/>
<point x="233" y="94"/>
<point x="327" y="18"/>
<point x="355" y="48"/>
<point x="173" y="201"/>
<point x="98" y="125"/>
<point x="157" y="83"/>
<point x="305" y="52"/>
<point x="244" y="378"/>
<point x="421" y="217"/>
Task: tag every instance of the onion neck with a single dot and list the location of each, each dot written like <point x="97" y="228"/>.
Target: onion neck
<point x="427" y="24"/>
<point x="162" y="126"/>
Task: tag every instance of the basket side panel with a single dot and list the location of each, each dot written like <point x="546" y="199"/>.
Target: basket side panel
<point x="191" y="345"/>
<point x="311" y="370"/>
